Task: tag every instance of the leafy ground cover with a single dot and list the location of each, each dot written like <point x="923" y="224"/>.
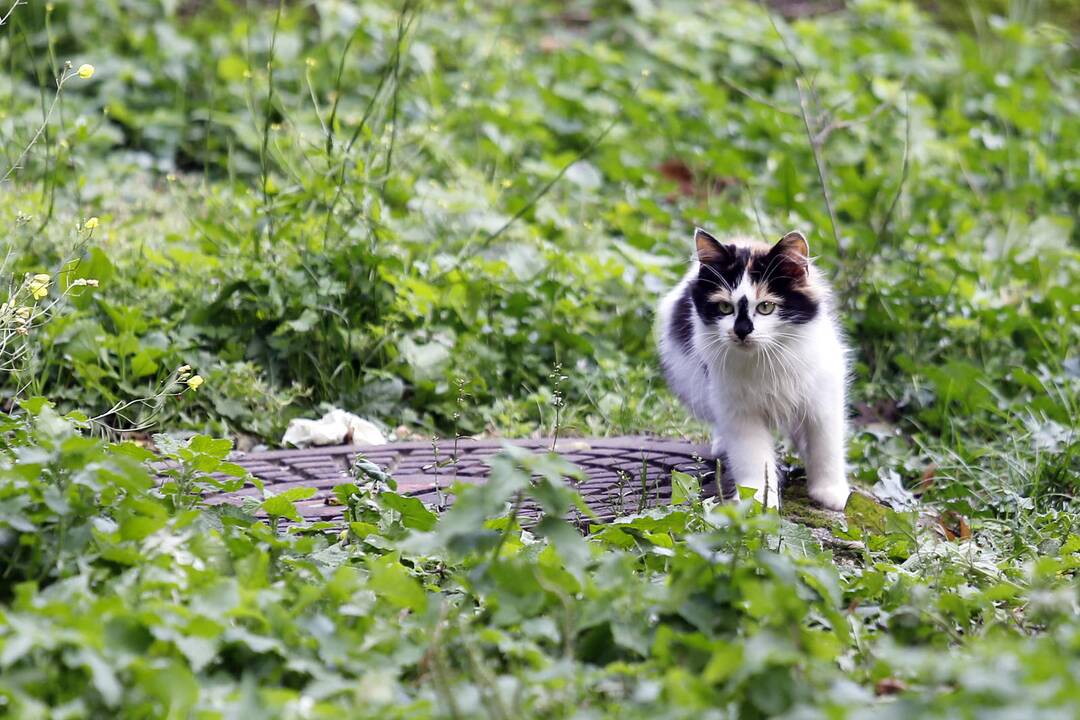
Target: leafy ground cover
<point x="456" y="217"/>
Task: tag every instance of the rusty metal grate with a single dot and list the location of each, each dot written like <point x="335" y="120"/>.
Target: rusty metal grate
<point x="624" y="475"/>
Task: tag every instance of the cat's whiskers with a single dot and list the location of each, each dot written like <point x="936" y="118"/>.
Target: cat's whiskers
<point x="716" y="349"/>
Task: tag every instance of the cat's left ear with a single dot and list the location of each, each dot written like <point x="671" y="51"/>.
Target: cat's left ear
<point x="795" y="252"/>
<point x="794" y="244"/>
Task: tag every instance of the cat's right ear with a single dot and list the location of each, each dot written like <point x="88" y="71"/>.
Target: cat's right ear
<point x="709" y="249"/>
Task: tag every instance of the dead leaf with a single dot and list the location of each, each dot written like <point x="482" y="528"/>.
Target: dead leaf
<point x="927" y="480"/>
<point x="889" y="686"/>
<point x="678" y="171"/>
<point x="953" y="526"/>
<point x="691" y="183"/>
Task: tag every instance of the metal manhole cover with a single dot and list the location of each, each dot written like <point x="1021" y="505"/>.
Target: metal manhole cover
<point x="624" y="475"/>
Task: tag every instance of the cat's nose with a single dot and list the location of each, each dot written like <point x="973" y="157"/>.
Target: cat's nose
<point x="743" y="327"/>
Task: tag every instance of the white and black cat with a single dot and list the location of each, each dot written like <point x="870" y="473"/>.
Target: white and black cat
<point x="749" y="342"/>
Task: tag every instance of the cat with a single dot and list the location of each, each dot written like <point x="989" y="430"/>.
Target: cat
<point x="750" y="343"/>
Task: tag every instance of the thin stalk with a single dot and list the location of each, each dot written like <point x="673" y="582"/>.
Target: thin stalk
<point x="819" y="163"/>
<point x="264" y="165"/>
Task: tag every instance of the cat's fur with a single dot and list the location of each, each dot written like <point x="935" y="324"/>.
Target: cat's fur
<point x="749" y="371"/>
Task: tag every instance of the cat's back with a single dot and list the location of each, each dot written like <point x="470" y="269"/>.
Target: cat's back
<point x="674" y="325"/>
<point x="674" y="331"/>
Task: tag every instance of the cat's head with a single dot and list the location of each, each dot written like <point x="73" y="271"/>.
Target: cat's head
<point x="750" y="294"/>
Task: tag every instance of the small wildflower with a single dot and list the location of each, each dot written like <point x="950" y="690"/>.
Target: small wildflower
<point x="247" y="74"/>
<point x="86" y="71"/>
<point x="507" y="183"/>
<point x="23" y="314"/>
<point x="310" y="62"/>
<point x="194" y="382"/>
<point x="183" y="369"/>
<point x="170" y="178"/>
<point x="91" y="224"/>
<point x="92" y="282"/>
<point x="39" y="286"/>
<point x="645" y="73"/>
<point x="466" y="86"/>
<point x="49" y="7"/>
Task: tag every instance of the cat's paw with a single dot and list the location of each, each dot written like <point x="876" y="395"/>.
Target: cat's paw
<point x="832" y="496"/>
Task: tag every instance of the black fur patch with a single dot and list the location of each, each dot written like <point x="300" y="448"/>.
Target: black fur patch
<point x="682" y="321"/>
<point x="724" y="274"/>
<point x="743" y="325"/>
<point x="785" y="276"/>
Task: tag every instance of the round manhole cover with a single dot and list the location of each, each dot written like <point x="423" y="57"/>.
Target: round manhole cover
<point x="623" y="475"/>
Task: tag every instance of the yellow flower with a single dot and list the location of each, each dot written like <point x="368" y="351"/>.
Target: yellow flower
<point x="39" y="286"/>
<point x="86" y="71"/>
<point x="194" y="382"/>
<point x="183" y="369"/>
<point x="310" y="62"/>
<point x="91" y="223"/>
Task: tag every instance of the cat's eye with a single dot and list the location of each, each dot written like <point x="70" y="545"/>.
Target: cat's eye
<point x="725" y="308"/>
<point x="766" y="308"/>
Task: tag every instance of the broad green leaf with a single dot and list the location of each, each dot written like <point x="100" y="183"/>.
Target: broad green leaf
<point x="390" y="580"/>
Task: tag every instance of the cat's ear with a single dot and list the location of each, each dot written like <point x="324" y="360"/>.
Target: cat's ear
<point x="791" y="256"/>
<point x="709" y="249"/>
<point x="794" y="245"/>
<point x="794" y="252"/>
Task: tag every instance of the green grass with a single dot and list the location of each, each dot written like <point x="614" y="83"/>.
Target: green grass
<point x="457" y="217"/>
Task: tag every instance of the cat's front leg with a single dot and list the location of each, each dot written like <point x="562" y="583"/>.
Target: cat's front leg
<point x="746" y="448"/>
<point x="826" y="473"/>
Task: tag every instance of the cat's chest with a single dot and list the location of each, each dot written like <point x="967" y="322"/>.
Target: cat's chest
<point x="759" y="389"/>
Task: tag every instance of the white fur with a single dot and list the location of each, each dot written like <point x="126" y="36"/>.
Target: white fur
<point x="787" y="377"/>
